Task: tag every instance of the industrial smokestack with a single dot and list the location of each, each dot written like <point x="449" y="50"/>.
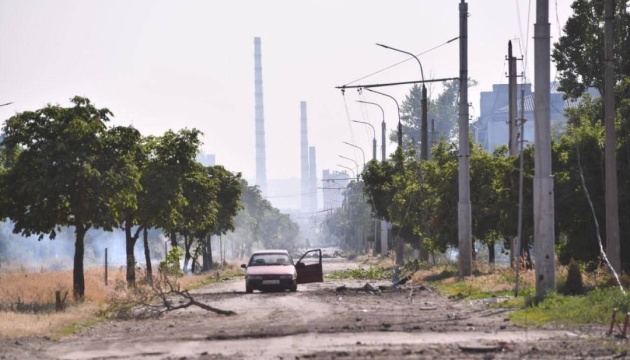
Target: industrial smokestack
<point x="312" y="184"/>
<point x="261" y="159"/>
<point x="304" y="156"/>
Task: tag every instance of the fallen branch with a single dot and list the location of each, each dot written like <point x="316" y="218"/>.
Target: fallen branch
<point x="156" y="299"/>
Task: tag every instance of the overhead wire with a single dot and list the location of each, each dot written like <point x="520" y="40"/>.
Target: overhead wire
<point x="403" y="61"/>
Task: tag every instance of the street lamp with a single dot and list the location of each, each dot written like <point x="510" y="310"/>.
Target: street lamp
<point x="373" y="140"/>
<point x="424" y="150"/>
<point x="362" y="152"/>
<point x="382" y="127"/>
<point x="355" y="163"/>
<point x="397" y="107"/>
<point x="352" y="171"/>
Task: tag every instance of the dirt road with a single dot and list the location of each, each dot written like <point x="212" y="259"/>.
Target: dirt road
<point x="321" y="321"/>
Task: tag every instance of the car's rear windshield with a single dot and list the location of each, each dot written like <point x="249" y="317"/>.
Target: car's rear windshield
<point x="270" y="259"/>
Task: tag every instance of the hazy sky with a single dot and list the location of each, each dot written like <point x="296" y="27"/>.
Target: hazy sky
<point x="163" y="65"/>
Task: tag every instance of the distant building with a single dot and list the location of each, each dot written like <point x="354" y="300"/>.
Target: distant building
<point x="206" y="159"/>
<point x="491" y="128"/>
<point x="334" y="185"/>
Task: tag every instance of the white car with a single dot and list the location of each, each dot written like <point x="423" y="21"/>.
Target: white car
<point x="275" y="270"/>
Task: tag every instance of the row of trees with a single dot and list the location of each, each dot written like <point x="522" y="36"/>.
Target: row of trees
<point x="63" y="167"/>
<point x="420" y="199"/>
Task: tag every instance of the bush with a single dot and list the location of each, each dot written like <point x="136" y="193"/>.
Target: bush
<point x="574" y="285"/>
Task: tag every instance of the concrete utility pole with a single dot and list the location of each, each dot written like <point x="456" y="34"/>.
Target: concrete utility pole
<point x="543" y="181"/>
<point x="383" y="158"/>
<point x="398" y="242"/>
<point x="464" y="221"/>
<point x="612" y="206"/>
<point x="512" y="97"/>
<point x="513" y="129"/>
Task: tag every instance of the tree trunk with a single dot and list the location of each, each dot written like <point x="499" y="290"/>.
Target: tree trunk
<point x="147" y="255"/>
<point x="173" y="237"/>
<point x="78" y="278"/>
<point x="186" y="253"/>
<point x="528" y="257"/>
<point x="207" y="254"/>
<point x="130" y="242"/>
<point x="491" y="254"/>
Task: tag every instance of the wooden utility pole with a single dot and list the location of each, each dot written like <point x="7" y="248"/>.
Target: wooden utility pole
<point x="612" y="206"/>
<point x="544" y="247"/>
<point x="464" y="221"/>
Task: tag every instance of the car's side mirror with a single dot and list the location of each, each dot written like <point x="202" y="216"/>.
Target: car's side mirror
<point x="244" y="266"/>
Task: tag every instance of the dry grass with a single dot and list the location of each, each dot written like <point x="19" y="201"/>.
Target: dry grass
<point x="38" y="289"/>
<point x="15" y="325"/>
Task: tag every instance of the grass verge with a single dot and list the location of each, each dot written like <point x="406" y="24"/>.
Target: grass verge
<point x="362" y="273"/>
<point x="38" y="291"/>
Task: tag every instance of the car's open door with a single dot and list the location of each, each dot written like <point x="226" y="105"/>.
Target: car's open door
<point x="309" y="267"/>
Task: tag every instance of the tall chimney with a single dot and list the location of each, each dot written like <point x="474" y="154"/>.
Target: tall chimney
<point x="304" y="156"/>
<point x="312" y="184"/>
<point x="261" y="159"/>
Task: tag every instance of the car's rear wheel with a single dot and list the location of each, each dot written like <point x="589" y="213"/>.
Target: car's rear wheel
<point x="248" y="289"/>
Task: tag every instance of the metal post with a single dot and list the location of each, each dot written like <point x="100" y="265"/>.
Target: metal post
<point x="464" y="221"/>
<point x="544" y="247"/>
<point x="612" y="206"/>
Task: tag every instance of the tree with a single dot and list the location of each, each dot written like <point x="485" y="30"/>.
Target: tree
<point x="165" y="162"/>
<point x="443" y="111"/>
<point x="228" y="203"/>
<point x="65" y="169"/>
<point x="579" y="54"/>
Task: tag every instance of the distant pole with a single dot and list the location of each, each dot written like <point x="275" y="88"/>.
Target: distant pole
<point x="382" y="127"/>
<point x="512" y="127"/>
<point x="612" y="206"/>
<point x="519" y="233"/>
<point x="544" y="246"/>
<point x="424" y="146"/>
<point x="398" y="108"/>
<point x="513" y="147"/>
<point x="165" y="249"/>
<point x="464" y="221"/>
<point x="105" y="266"/>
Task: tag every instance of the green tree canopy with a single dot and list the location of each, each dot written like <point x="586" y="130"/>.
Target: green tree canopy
<point x="66" y="169"/>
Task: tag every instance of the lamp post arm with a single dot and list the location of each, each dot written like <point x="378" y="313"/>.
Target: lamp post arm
<point x="373" y="140"/>
<point x="398" y="107"/>
<point x="382" y="128"/>
<point x="362" y="152"/>
<point x="355" y="163"/>
<point x="347" y="168"/>
<point x="408" y="53"/>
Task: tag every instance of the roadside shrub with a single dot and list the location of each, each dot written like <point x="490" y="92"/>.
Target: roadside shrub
<point x="573" y="285"/>
<point x="372" y="273"/>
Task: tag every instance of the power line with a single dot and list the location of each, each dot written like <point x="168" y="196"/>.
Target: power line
<point x="400" y="62"/>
